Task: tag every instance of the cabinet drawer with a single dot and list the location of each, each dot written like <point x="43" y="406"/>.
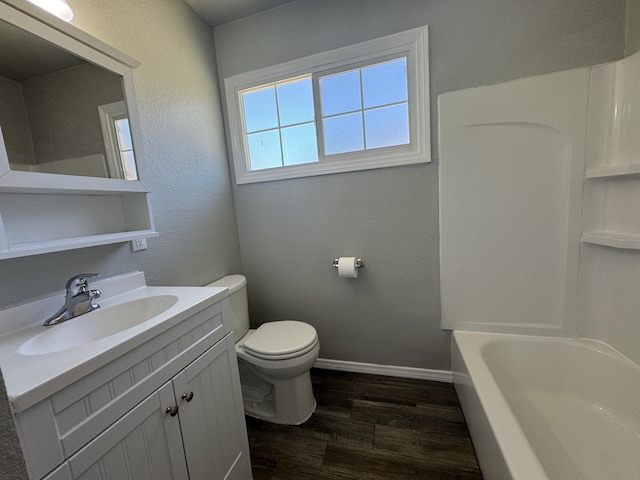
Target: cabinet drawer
<point x="59" y="426"/>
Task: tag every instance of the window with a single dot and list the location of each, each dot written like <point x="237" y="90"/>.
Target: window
<point x="114" y="120"/>
<point x="279" y="124"/>
<point x="366" y="108"/>
<point x="359" y="107"/>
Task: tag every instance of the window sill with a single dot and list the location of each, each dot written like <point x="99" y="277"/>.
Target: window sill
<point x="327" y="168"/>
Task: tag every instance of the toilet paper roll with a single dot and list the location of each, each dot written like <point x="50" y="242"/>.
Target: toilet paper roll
<point x="347" y="267"/>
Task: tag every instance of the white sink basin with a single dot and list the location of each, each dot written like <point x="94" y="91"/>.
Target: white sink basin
<point x="97" y="325"/>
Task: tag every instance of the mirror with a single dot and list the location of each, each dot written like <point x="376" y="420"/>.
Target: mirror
<point x="60" y="113"/>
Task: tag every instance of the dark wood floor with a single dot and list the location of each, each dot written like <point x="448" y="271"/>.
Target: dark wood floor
<point x="368" y="427"/>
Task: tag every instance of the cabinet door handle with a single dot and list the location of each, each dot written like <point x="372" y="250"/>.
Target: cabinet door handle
<point x="173" y="411"/>
<point x="187" y="396"/>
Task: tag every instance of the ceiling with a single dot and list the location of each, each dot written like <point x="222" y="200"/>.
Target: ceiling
<point x="217" y="12"/>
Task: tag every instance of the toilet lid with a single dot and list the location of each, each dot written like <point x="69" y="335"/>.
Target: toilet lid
<point x="282" y="339"/>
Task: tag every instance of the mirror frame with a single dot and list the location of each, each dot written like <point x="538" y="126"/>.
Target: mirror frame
<point x="30" y="18"/>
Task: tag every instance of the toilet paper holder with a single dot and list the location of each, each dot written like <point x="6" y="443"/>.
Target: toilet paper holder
<point x="359" y="263"/>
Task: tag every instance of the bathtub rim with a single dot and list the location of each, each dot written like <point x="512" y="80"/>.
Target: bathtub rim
<point x="477" y="389"/>
<point x="502" y="448"/>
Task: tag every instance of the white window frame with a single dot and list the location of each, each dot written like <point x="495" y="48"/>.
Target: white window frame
<point x="108" y="114"/>
<point x="411" y="43"/>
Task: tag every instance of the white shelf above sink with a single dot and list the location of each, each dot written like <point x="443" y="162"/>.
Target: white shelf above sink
<point x="612" y="239"/>
<point x="48" y="246"/>
<point x="614" y="170"/>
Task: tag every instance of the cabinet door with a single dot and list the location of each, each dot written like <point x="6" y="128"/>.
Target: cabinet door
<point x="145" y="444"/>
<point x="212" y="419"/>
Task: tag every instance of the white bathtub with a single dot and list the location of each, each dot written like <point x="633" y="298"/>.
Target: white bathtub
<point x="549" y="408"/>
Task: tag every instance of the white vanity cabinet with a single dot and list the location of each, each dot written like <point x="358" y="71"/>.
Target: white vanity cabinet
<point x="214" y="433"/>
<point x="144" y="444"/>
<point x="203" y="438"/>
<point x="169" y="409"/>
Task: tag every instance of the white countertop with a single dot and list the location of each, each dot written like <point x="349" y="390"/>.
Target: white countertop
<point x="32" y="378"/>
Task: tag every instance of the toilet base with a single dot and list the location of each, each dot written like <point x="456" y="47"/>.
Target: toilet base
<point x="290" y="401"/>
<point x="264" y="412"/>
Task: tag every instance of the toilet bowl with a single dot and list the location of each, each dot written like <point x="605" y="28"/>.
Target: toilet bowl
<point x="274" y="361"/>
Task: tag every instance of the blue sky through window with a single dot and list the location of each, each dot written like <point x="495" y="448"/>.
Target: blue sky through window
<point x="387" y="126"/>
<point x="299" y="144"/>
<point x="340" y="93"/>
<point x="343" y="133"/>
<point x="362" y="109"/>
<point x="264" y="150"/>
<point x="260" y="111"/>
<point x="295" y="102"/>
<point x="280" y="125"/>
<point x="383" y="120"/>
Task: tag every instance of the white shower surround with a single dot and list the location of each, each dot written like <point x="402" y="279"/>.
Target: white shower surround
<point x="539" y="406"/>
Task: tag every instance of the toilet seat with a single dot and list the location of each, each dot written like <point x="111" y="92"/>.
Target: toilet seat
<point x="281" y="340"/>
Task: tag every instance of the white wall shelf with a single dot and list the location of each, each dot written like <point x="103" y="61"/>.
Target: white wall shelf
<point x="36" y="248"/>
<point x="36" y="224"/>
<point x="612" y="239"/>
<point x="614" y="170"/>
<point x="45" y="212"/>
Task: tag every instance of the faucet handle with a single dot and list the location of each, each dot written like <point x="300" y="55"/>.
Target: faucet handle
<point x="78" y="283"/>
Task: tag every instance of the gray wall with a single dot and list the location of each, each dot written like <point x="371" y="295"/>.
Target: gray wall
<point x="14" y="123"/>
<point x="632" y="37"/>
<point x="181" y="117"/>
<point x="291" y="230"/>
<point x="63" y="111"/>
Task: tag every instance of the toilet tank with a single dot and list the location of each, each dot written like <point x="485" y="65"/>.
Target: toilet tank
<point x="237" y="285"/>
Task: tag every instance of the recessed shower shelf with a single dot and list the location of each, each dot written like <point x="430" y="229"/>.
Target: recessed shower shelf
<point x="611" y="239"/>
<point x="614" y="170"/>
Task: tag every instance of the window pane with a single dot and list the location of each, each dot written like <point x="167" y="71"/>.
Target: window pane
<point x="299" y="144"/>
<point x="340" y="93"/>
<point x="124" y="134"/>
<point x="387" y="126"/>
<point x="385" y="83"/>
<point x="295" y="102"/>
<point x="129" y="165"/>
<point x="343" y="134"/>
<point x="264" y="150"/>
<point x="260" y="111"/>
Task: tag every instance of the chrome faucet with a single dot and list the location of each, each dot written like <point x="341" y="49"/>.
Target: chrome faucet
<point x="78" y="299"/>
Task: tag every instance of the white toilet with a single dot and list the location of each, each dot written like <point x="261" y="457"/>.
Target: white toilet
<point x="274" y="361"/>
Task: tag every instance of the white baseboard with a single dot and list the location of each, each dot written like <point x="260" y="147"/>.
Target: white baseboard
<point x="444" y="376"/>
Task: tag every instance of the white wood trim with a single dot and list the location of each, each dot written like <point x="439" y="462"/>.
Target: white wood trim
<point x="444" y="376"/>
<point x="311" y="170"/>
<point x="108" y="114"/>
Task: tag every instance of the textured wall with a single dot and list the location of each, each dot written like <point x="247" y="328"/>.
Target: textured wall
<point x="291" y="230"/>
<point x="180" y="111"/>
<point x="632" y="38"/>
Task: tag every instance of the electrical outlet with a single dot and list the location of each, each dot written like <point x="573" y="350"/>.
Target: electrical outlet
<point x="138" y="244"/>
